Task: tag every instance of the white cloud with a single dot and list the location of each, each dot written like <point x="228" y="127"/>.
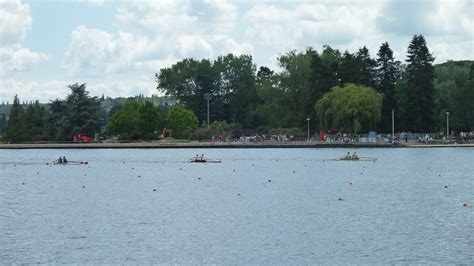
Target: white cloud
<point x="44" y="91"/>
<point x="29" y="91"/>
<point x="277" y="29"/>
<point x="156" y="33"/>
<point x="15" y="60"/>
<point x="15" y="21"/>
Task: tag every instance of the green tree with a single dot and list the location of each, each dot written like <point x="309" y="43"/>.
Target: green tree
<point x="126" y="122"/>
<point x="182" y="122"/>
<point x="366" y="67"/>
<point x="454" y="91"/>
<point x="351" y="109"/>
<point x="420" y="94"/>
<point x="149" y="119"/>
<point x="16" y="122"/>
<point x="35" y="122"/>
<point x="56" y="121"/>
<point x="386" y="77"/>
<point x="326" y="73"/>
<point x="237" y="87"/>
<point x="349" y="70"/>
<point x="188" y="80"/>
<point x="79" y="113"/>
<point x="229" y="80"/>
<point x="83" y="112"/>
<point x="3" y="125"/>
<point x="295" y="81"/>
<point x="271" y="109"/>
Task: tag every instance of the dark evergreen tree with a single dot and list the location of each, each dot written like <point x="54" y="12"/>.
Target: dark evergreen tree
<point x="34" y="121"/>
<point x="366" y="68"/>
<point x="83" y="112"/>
<point x="386" y="77"/>
<point x="79" y="113"/>
<point x="16" y="123"/>
<point x="56" y="121"/>
<point x="3" y="125"/>
<point x="419" y="95"/>
<point x="349" y="71"/>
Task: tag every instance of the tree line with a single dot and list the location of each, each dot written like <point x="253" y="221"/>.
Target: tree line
<point x="335" y="91"/>
<point x="266" y="99"/>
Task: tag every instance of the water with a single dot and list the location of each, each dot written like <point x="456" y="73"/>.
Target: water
<point x="396" y="210"/>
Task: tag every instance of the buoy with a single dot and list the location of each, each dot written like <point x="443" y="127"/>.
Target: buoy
<point x="23" y="183"/>
<point x="339" y="199"/>
<point x="465" y="205"/>
<point x="85" y="174"/>
<point x="180" y="169"/>
<point x="83" y="186"/>
<point x="238" y="194"/>
<point x="233" y="170"/>
<point x="139" y="176"/>
<point x="133" y="168"/>
<point x="350" y="183"/>
<point x="154" y="189"/>
<point x="294" y="172"/>
<point x="269" y="181"/>
<point x="37" y="173"/>
<point x="445" y="186"/>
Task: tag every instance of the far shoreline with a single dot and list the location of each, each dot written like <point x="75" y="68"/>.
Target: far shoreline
<point x="209" y="145"/>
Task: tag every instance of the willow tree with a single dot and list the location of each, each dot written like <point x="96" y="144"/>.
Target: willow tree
<point x="350" y="109"/>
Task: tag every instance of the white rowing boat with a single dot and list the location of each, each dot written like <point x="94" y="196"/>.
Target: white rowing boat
<point x="70" y="163"/>
<point x="358" y="159"/>
<point x="204" y="161"/>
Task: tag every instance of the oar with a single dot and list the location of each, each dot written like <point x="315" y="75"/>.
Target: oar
<point x="52" y="162"/>
<point x="79" y="162"/>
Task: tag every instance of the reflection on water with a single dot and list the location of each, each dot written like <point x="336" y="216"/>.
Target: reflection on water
<point x="259" y="206"/>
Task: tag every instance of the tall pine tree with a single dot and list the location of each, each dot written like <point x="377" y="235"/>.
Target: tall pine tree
<point x="386" y="77"/>
<point x="366" y="67"/>
<point x="16" y="124"/>
<point x="419" y="91"/>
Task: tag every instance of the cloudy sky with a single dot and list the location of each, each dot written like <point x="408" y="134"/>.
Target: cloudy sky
<point x="116" y="47"/>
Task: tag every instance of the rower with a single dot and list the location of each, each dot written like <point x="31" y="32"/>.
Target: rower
<point x="64" y="159"/>
<point x="354" y="156"/>
<point x="348" y="155"/>
<point x="60" y="160"/>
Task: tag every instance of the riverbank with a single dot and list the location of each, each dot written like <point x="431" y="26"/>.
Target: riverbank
<point x="210" y="145"/>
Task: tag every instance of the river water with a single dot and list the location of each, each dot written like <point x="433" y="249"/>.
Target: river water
<point x="259" y="206"/>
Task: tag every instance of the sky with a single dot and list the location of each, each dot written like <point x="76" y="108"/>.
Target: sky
<point x="116" y="47"/>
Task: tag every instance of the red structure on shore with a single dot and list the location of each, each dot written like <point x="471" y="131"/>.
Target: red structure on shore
<point x="83" y="138"/>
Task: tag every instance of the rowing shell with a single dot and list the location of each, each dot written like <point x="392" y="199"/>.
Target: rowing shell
<point x="205" y="161"/>
<point x="360" y="159"/>
<point x="71" y="163"/>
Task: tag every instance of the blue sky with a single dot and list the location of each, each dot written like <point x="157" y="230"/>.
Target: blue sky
<point x="116" y="47"/>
